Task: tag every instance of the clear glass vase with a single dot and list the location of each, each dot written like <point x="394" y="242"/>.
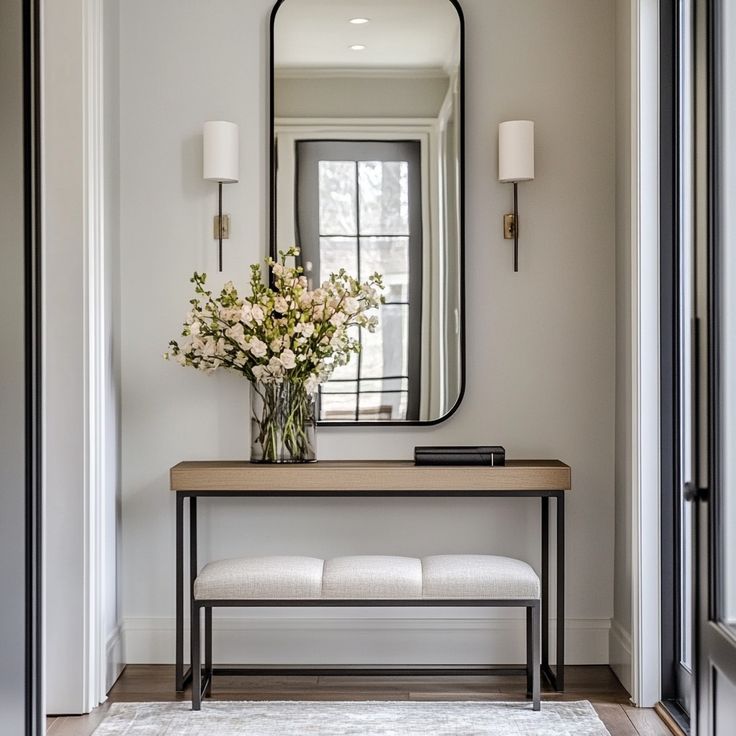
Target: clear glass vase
<point x="282" y="424"/>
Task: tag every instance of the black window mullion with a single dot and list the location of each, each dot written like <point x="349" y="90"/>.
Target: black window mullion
<point x="360" y="278"/>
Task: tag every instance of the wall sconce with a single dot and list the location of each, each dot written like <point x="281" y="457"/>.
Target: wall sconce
<point x="515" y="164"/>
<point x="221" y="163"/>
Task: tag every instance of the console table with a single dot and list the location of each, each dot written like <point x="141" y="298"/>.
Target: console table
<point x="542" y="479"/>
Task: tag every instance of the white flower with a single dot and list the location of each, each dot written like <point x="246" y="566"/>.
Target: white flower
<point x="351" y="305"/>
<point x="258" y="348"/>
<point x="280" y="305"/>
<point x="229" y="315"/>
<point x="246" y="313"/>
<point x="210" y="345"/>
<point x="311" y="384"/>
<point x="257" y="313"/>
<point x="305" y="300"/>
<point x="288" y="359"/>
<point x="338" y="319"/>
<point x="307" y="329"/>
<point x="275" y="368"/>
<point x="276" y="345"/>
<point x="259" y="371"/>
<point x="236" y="332"/>
<point x="278" y="269"/>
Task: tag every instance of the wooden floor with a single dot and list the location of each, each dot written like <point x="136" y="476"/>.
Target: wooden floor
<point x="142" y="683"/>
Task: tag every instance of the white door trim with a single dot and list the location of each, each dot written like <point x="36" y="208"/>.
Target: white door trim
<point x="646" y="637"/>
<point x="75" y="331"/>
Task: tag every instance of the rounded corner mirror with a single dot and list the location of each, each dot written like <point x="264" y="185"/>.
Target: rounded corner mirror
<point x="367" y="169"/>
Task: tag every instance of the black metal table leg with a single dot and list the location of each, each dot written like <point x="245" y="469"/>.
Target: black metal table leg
<point x="207" y="652"/>
<point x="192" y="572"/>
<point x="536" y="661"/>
<point x="196" y="656"/>
<point x="560" y="673"/>
<point x="179" y="592"/>
<point x="555" y="678"/>
<point x="545" y="582"/>
<point x="529" y="653"/>
<point x="184" y="676"/>
<point x="192" y="544"/>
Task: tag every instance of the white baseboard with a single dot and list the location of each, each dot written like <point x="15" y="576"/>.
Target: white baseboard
<point x="376" y="640"/>
<point x="115" y="657"/>
<point x="620" y="653"/>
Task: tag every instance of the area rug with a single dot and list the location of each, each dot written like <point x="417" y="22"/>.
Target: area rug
<point x="306" y="718"/>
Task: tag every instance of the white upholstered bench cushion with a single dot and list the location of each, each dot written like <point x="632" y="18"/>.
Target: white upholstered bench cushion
<point x="367" y="577"/>
<point x="372" y="576"/>
<point x="478" y="576"/>
<point x="272" y="578"/>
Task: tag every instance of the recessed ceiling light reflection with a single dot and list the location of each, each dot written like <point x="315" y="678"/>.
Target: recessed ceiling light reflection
<point x="357" y="47"/>
<point x="360" y="21"/>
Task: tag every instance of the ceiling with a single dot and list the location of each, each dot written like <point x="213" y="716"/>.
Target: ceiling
<point x="400" y="34"/>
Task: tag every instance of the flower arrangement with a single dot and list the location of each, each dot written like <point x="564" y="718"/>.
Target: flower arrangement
<point x="284" y="338"/>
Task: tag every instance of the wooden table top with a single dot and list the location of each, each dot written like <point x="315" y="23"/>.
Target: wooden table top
<point x="341" y="476"/>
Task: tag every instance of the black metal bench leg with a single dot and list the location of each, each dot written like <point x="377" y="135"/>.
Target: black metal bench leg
<point x="196" y="657"/>
<point x="529" y="659"/>
<point x="208" y="651"/>
<point x="536" y="657"/>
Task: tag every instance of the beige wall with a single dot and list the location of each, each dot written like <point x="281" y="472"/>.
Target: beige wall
<point x="14" y="639"/>
<point x="540" y="348"/>
<point x="621" y="625"/>
<point x="356" y="97"/>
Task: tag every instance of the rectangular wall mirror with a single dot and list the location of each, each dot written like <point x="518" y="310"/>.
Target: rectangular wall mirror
<point x="367" y="174"/>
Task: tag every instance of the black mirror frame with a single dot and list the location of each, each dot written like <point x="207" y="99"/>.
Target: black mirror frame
<point x="272" y="219"/>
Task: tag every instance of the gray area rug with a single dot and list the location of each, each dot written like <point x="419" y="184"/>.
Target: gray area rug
<point x="283" y="718"/>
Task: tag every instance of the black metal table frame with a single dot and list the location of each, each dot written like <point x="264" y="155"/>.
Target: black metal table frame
<point x="555" y="677"/>
<point x="204" y="671"/>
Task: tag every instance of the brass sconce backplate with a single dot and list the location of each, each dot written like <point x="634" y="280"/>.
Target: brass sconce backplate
<point x="509" y="226"/>
<point x="223" y="232"/>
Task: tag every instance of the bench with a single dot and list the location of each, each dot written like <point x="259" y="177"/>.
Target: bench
<point x="365" y="580"/>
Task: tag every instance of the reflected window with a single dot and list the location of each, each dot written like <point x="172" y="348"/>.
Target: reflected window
<point x="359" y="208"/>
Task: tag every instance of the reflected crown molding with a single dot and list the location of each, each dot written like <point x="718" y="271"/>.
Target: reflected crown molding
<point x="364" y="72"/>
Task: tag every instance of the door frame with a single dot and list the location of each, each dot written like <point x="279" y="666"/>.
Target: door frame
<point x="677" y="313"/>
<point x="715" y="646"/>
<point x="645" y="369"/>
<point x="287" y="132"/>
<point x="81" y="658"/>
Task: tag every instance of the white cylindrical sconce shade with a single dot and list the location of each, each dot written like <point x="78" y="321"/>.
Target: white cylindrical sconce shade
<point x="516" y="151"/>
<point x="221" y="160"/>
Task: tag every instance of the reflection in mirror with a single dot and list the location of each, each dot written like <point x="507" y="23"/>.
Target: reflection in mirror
<point x="367" y="137"/>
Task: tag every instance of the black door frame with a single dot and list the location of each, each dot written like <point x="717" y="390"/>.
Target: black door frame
<point x="35" y="719"/>
<point x="22" y="82"/>
<point x="676" y="688"/>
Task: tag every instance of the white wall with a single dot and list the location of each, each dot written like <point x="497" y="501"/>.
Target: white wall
<point x="112" y="629"/>
<point x="367" y="96"/>
<point x="620" y="647"/>
<point x="64" y="326"/>
<point x="14" y="639"/>
<point x="540" y="353"/>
